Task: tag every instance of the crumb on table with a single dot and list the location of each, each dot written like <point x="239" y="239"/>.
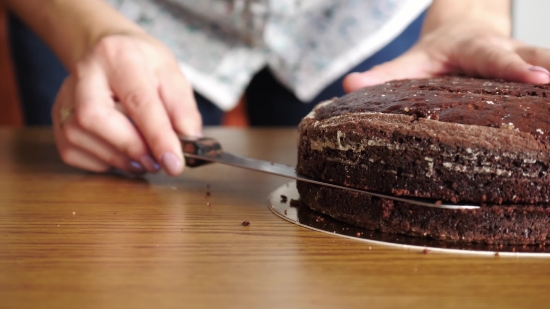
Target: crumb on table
<point x="245" y="223"/>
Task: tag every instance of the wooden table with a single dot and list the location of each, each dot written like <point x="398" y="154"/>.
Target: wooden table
<point x="69" y="239"/>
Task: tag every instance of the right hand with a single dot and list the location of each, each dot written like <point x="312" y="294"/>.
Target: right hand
<point x="125" y="79"/>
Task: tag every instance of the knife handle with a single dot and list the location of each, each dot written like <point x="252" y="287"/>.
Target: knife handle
<point x="203" y="146"/>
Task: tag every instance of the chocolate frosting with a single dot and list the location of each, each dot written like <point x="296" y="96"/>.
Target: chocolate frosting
<point x="463" y="100"/>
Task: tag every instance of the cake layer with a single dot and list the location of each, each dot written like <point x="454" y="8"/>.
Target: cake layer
<point x="466" y="140"/>
<point x="513" y="225"/>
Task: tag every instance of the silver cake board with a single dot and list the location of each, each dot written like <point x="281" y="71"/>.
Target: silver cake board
<point x="305" y="217"/>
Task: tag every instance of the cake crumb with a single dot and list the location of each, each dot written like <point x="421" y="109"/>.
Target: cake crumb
<point x="439" y="202"/>
<point x="245" y="223"/>
<point x="358" y="234"/>
<point x="286" y="213"/>
<point x="74" y="213"/>
<point x="509" y="126"/>
<point x="406" y="109"/>
<point x="283" y="198"/>
<point x="207" y="194"/>
<point x="497" y="254"/>
<point x="425" y="251"/>
<point x="208" y="204"/>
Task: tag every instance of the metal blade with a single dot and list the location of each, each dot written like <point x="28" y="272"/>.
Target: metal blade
<point x="290" y="172"/>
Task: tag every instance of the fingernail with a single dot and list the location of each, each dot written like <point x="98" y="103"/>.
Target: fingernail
<point x="198" y="134"/>
<point x="172" y="164"/>
<point x="539" y="69"/>
<point x="150" y="164"/>
<point x="135" y="167"/>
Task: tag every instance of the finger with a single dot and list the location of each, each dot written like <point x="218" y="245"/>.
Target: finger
<point x="83" y="160"/>
<point x="76" y="147"/>
<point x="493" y="61"/>
<point x="71" y="155"/>
<point x="138" y="91"/>
<point x="413" y="64"/>
<point x="80" y="159"/>
<point x="96" y="147"/>
<point x="539" y="57"/>
<point x="95" y="112"/>
<point x="178" y="99"/>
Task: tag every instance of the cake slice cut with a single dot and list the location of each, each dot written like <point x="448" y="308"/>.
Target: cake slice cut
<point x="453" y="139"/>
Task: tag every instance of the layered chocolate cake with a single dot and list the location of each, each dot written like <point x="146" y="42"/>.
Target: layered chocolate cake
<point x="453" y="139"/>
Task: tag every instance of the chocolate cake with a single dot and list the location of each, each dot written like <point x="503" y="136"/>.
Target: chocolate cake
<point x="454" y="139"/>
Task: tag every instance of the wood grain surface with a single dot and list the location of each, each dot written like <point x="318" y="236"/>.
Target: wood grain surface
<point x="70" y="239"/>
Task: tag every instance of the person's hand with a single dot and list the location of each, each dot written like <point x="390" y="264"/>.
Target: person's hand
<point x="461" y="47"/>
<point x="123" y="107"/>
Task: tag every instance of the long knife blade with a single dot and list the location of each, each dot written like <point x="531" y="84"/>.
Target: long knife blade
<point x="218" y="156"/>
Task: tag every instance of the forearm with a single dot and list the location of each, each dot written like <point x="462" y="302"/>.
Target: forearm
<point x="70" y="27"/>
<point x="494" y="15"/>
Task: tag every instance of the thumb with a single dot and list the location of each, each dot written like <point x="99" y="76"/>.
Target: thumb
<point x="409" y="65"/>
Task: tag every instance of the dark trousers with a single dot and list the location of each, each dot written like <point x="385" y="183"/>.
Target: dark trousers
<point x="40" y="74"/>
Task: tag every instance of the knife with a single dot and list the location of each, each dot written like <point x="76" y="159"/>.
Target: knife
<point x="199" y="151"/>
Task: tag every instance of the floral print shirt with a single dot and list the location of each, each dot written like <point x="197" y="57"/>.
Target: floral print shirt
<point x="307" y="44"/>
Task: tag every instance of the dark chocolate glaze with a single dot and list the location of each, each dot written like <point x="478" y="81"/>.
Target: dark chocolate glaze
<point x="464" y="100"/>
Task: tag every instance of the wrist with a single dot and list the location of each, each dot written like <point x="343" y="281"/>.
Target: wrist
<point x="72" y="27"/>
<point x="92" y="20"/>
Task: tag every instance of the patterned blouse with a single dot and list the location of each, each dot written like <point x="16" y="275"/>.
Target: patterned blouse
<point x="307" y="44"/>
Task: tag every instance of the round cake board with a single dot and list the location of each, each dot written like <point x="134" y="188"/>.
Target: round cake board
<point x="284" y="203"/>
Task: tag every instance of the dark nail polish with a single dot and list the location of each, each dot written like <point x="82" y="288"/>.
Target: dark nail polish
<point x="150" y="164"/>
<point x="135" y="167"/>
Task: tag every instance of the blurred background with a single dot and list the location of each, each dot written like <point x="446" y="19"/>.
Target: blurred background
<point x="531" y="24"/>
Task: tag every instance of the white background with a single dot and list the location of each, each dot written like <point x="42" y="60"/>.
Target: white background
<point x="532" y="21"/>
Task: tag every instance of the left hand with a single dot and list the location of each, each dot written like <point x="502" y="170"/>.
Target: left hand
<point x="461" y="47"/>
